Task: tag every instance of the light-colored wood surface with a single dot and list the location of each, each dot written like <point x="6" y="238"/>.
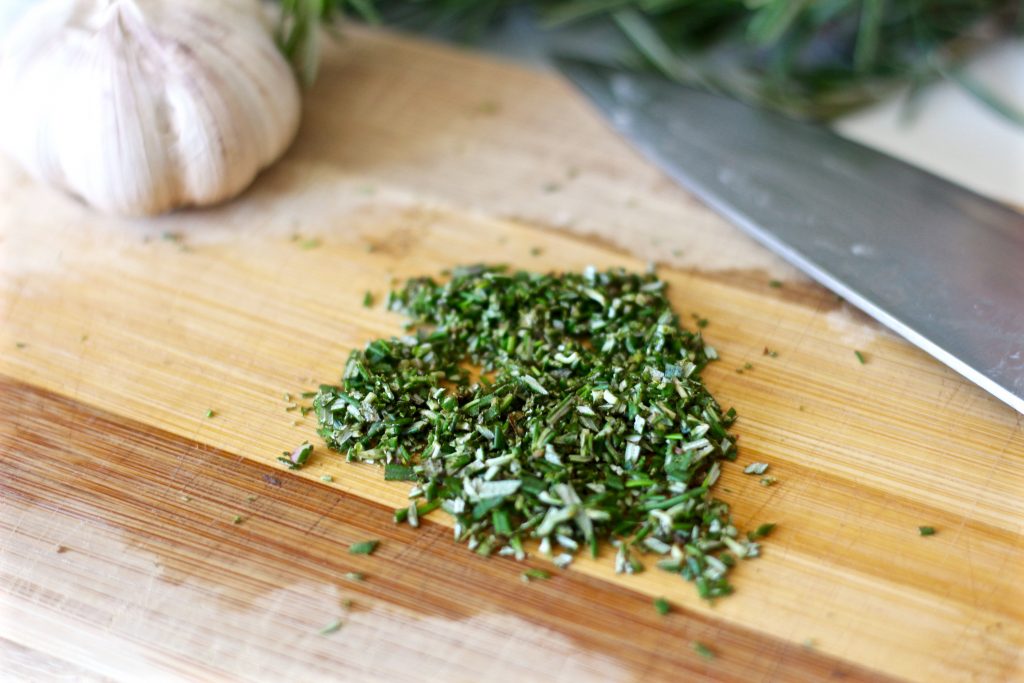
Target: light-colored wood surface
<point x="414" y="158"/>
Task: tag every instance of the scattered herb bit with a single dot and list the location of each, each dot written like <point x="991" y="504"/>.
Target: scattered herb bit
<point x="304" y="394"/>
<point x="572" y="172"/>
<point x="677" y="252"/>
<point x="770" y="353"/>
<point x="363" y="547"/>
<point x="860" y="357"/>
<point x="368" y="299"/>
<point x="355" y="576"/>
<point x="186" y="499"/>
<point x="536" y="251"/>
<point x="768" y="481"/>
<point x="488" y="107"/>
<point x="756" y="468"/>
<point x="399" y="473"/>
<point x="926" y="530"/>
<point x="236" y="519"/>
<point x="552" y="187"/>
<point x="589" y="419"/>
<point x="760" y="532"/>
<point x="703" y="650"/>
<point x="210" y="413"/>
<point x="168" y="236"/>
<point x="534" y="575"/>
<point x="809" y="643"/>
<point x="332" y="627"/>
<point x="775" y="284"/>
<point x="661" y="606"/>
<point x="250" y="499"/>
<point x="297" y="458"/>
<point x="748" y="366"/>
<point x="20" y="345"/>
<point x="327" y="478"/>
<point x="287" y="397"/>
<point x="311" y="243"/>
<point x="84" y="338"/>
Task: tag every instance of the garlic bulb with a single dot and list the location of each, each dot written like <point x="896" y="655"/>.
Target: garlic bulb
<point x="141" y="106"/>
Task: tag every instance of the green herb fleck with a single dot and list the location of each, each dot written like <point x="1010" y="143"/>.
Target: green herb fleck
<point x="311" y="243"/>
<point x="534" y="575"/>
<point x="552" y="187"/>
<point x="703" y="650"/>
<point x="860" y="357"/>
<point x="768" y="481"/>
<point x="926" y="530"/>
<point x="661" y="606"/>
<point x="186" y="499"/>
<point x="237" y="519"/>
<point x="760" y="532"/>
<point x="20" y="345"/>
<point x="770" y="353"/>
<point x="775" y="284"/>
<point x="297" y="458"/>
<point x="368" y="299"/>
<point x="326" y="478"/>
<point x="363" y="547"/>
<point x="536" y="251"/>
<point x="355" y="576"/>
<point x="488" y="107"/>
<point x="394" y="472"/>
<point x="332" y="627"/>
<point x="210" y="412"/>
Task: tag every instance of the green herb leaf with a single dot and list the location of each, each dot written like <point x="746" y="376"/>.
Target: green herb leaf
<point x="534" y="575"/>
<point x="332" y="627"/>
<point x="703" y="650"/>
<point x="926" y="530"/>
<point x="363" y="547"/>
<point x="860" y="357"/>
<point x="661" y="606"/>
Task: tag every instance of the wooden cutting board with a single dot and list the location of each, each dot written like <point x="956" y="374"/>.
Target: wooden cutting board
<point x="142" y="539"/>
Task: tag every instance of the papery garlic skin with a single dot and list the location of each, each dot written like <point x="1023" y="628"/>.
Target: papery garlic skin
<point x="142" y="106"/>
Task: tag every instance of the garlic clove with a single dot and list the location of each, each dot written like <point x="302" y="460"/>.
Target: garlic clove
<point x="141" y="106"/>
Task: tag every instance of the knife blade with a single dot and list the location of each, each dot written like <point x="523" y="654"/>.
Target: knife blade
<point x="935" y="262"/>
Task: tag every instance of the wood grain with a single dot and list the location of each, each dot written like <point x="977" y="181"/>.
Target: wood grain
<point x="133" y="506"/>
<point x="400" y="171"/>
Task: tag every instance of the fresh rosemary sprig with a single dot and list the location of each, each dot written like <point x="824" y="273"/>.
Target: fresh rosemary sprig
<point x="808" y="59"/>
<point x="587" y="419"/>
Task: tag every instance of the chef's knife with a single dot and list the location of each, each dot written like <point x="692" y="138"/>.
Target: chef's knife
<point x="939" y="264"/>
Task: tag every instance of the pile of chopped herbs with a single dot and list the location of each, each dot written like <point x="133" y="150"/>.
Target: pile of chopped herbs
<point x="564" y="408"/>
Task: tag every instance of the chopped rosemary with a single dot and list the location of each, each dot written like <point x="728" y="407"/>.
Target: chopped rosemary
<point x="703" y="650"/>
<point x="926" y="530"/>
<point x="661" y="606"/>
<point x="589" y="420"/>
<point x="332" y="627"/>
<point x="297" y="458"/>
<point x="363" y="547"/>
<point x="534" y="575"/>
